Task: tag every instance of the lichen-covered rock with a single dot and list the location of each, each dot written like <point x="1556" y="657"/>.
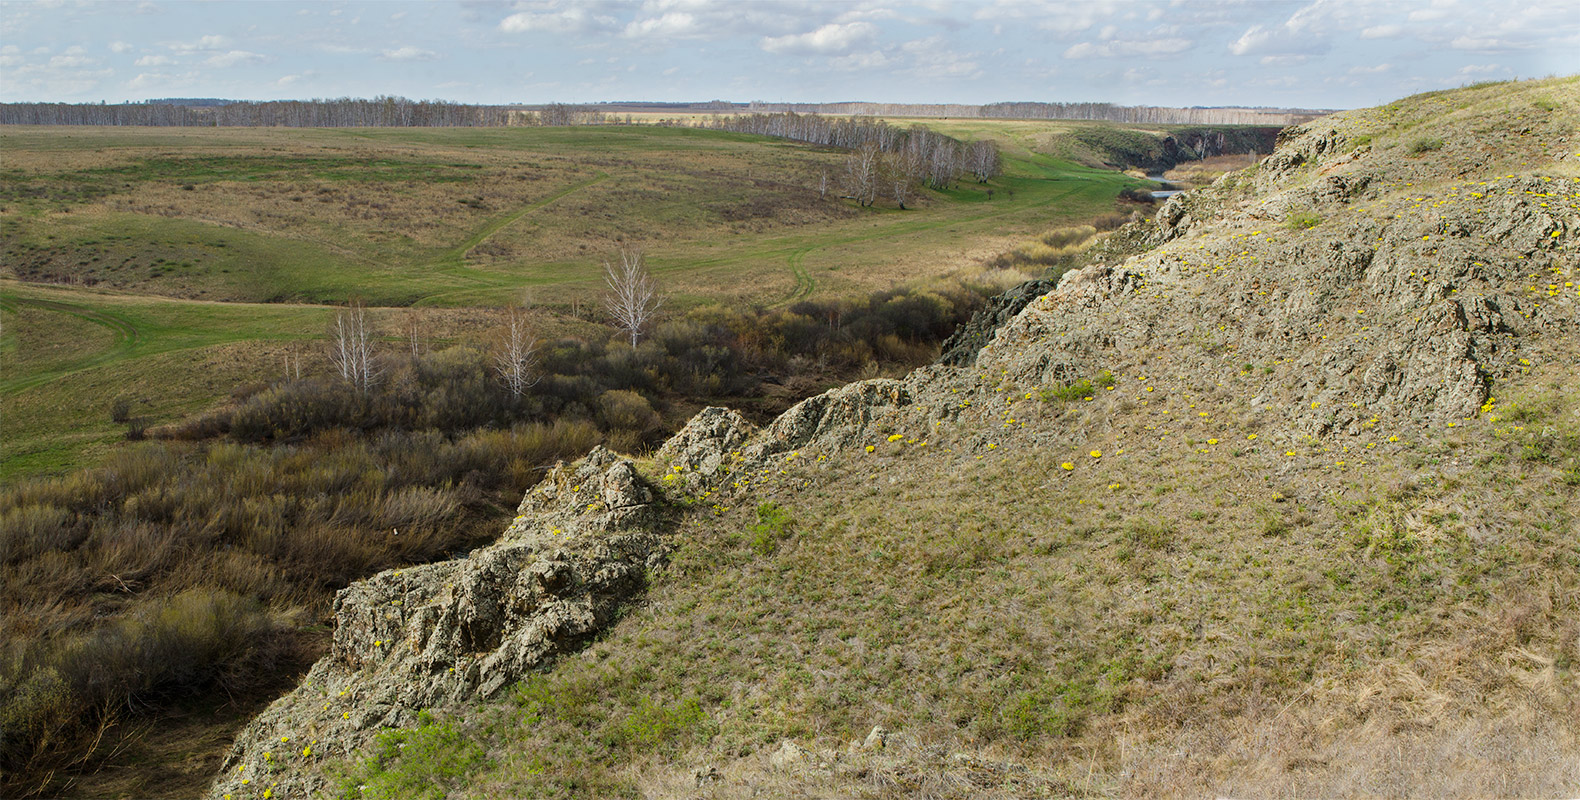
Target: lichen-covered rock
<point x="1406" y="309"/>
<point x="581" y="545"/>
<point x="960" y="349"/>
<point x="703" y="445"/>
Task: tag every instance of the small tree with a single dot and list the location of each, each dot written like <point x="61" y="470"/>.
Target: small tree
<point x="633" y="298"/>
<point x="516" y="354"/>
<point x="351" y="349"/>
<point x="861" y="172"/>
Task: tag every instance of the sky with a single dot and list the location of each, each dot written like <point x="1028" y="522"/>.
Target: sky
<point x="1301" y="53"/>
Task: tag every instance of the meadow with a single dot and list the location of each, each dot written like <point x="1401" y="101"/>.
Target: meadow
<point x="169" y="264"/>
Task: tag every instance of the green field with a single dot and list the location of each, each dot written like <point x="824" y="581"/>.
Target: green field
<point x="170" y="265"/>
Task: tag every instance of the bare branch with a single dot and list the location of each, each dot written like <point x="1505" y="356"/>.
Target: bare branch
<point x="633" y="298"/>
<point x="351" y="349"/>
<point x="516" y="354"/>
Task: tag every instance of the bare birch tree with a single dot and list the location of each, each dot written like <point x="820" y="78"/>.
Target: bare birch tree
<point x="633" y="298"/>
<point x="861" y="172"/>
<point x="982" y="160"/>
<point x="516" y="354"/>
<point x="351" y="349"/>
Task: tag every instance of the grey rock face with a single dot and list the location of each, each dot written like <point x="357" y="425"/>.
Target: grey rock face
<point x="448" y="632"/>
<point x="960" y="349"/>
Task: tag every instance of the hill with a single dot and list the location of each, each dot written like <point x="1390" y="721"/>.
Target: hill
<point x="1284" y="505"/>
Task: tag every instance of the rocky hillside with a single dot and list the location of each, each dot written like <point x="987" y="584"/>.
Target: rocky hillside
<point x="1285" y="505"/>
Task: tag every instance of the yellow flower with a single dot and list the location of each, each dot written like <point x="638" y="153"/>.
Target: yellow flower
<point x="1289" y="452"/>
<point x="871" y="448"/>
<point x="896" y="437"/>
<point x="1315" y="403"/>
<point x="307" y="751"/>
<point x="1068" y="465"/>
<point x="1251" y="437"/>
<point x="1212" y="441"/>
<point x="1097" y="454"/>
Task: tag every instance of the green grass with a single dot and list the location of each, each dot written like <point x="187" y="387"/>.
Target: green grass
<point x="431" y="218"/>
<point x="69" y="354"/>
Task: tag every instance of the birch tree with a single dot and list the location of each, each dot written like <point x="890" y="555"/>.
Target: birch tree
<point x="516" y="354"/>
<point x="633" y="298"/>
<point x="861" y="172"/>
<point x="351" y="349"/>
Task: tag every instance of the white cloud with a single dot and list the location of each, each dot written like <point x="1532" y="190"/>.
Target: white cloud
<point x="1481" y="69"/>
<point x="166" y="80"/>
<point x="72" y="59"/>
<point x="121" y="47"/>
<point x="409" y="53"/>
<point x="1290" y="39"/>
<point x="673" y="25"/>
<point x="210" y="42"/>
<point x="1382" y="31"/>
<point x="233" y="58"/>
<point x="291" y="80"/>
<point x="1482" y="43"/>
<point x="931" y="59"/>
<point x="858" y="62"/>
<point x="831" y="38"/>
<point x="1146" y="48"/>
<point x="570" y="20"/>
<point x="1058" y="16"/>
<point x="1376" y="70"/>
<point x="154" y="61"/>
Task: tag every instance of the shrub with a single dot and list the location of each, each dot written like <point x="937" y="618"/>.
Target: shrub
<point x="774" y="524"/>
<point x="1303" y="220"/>
<point x="430" y="760"/>
<point x="1423" y="145"/>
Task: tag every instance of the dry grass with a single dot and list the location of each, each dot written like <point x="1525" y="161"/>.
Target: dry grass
<point x="1192" y="174"/>
<point x="1132" y="627"/>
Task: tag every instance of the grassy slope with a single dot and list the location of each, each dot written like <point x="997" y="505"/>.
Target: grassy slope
<point x="440" y="218"/>
<point x="1188" y="609"/>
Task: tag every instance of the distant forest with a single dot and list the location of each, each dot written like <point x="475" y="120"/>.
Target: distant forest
<point x="400" y="112"/>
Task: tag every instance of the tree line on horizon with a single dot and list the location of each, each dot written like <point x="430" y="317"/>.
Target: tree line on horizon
<point x="389" y="111"/>
<point x="884" y="159"/>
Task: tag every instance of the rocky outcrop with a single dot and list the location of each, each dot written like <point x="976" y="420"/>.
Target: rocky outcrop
<point x="581" y="545"/>
<point x="961" y="348"/>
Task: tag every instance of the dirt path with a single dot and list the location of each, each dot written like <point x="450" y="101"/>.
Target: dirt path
<point x="127" y="338"/>
<point x="465" y="249"/>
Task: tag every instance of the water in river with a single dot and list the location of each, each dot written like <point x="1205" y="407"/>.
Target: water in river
<point x="1163" y="194"/>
